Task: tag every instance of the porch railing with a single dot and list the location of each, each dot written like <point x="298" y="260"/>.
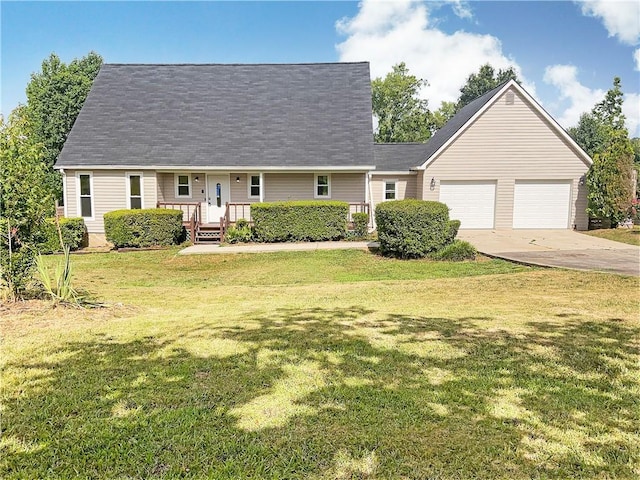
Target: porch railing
<point x="191" y="214"/>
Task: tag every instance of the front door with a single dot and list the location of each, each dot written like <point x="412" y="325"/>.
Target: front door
<point x="217" y="196"/>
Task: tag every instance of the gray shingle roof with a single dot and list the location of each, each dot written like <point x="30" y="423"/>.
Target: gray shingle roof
<point x="398" y="156"/>
<point x="404" y="156"/>
<point x="269" y="115"/>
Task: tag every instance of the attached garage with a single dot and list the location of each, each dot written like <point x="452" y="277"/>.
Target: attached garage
<point x="473" y="203"/>
<point x="541" y="204"/>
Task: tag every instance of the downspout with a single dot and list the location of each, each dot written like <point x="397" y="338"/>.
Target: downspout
<point x="64" y="191"/>
<point x="261" y="198"/>
<point x="370" y="198"/>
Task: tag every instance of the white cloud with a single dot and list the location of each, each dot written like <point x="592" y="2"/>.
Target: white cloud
<point x="621" y="18"/>
<point x="389" y="32"/>
<point x="582" y="99"/>
<point x="461" y="8"/>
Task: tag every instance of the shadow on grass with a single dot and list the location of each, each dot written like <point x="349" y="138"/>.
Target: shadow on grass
<point x="339" y="393"/>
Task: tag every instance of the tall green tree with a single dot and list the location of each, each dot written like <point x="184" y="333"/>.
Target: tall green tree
<point x="55" y="96"/>
<point x="590" y="133"/>
<point x="609" y="179"/>
<point x="480" y="83"/>
<point x="25" y="200"/>
<point x="441" y="116"/>
<point x="402" y="115"/>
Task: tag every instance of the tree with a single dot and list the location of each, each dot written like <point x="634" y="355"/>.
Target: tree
<point x="25" y="200"/>
<point x="609" y="179"/>
<point x="590" y="134"/>
<point x="480" y="83"/>
<point x="402" y="115"/>
<point x="604" y="136"/>
<point x="441" y="116"/>
<point x="55" y="96"/>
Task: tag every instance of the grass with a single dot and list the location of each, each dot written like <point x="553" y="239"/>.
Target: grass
<point x="623" y="235"/>
<point x="324" y="365"/>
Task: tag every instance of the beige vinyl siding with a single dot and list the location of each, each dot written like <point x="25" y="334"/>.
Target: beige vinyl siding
<point x="348" y="187"/>
<point x="166" y="191"/>
<point x="150" y="190"/>
<point x="508" y="143"/>
<point x="71" y="195"/>
<point x="108" y="193"/>
<point x="406" y="186"/>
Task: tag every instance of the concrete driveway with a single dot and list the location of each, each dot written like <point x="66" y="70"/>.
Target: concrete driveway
<point x="557" y="248"/>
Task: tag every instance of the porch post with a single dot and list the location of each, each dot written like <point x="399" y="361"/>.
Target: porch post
<point x="261" y="187"/>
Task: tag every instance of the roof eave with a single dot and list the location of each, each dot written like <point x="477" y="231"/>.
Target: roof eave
<point x="234" y="168"/>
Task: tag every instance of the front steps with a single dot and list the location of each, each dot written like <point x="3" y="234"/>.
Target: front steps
<point x="207" y="233"/>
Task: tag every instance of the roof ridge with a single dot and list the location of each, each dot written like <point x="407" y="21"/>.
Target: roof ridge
<point x="229" y="64"/>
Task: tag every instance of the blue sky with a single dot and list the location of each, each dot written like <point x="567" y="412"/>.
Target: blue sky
<point x="566" y="52"/>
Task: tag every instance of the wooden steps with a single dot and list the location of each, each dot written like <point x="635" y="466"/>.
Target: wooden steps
<point x="208" y="233"/>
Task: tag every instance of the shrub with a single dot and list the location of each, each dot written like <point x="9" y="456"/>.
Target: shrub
<point x="300" y="221"/>
<point x="143" y="228"/>
<point x="454" y="226"/>
<point x="360" y="224"/>
<point x="73" y="232"/>
<point x="457" y="251"/>
<point x="412" y="228"/>
<point x="240" y="232"/>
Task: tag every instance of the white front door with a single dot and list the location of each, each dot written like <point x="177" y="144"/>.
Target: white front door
<point x="217" y="196"/>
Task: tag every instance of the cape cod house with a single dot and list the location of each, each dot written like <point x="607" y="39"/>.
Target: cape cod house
<point x="213" y="139"/>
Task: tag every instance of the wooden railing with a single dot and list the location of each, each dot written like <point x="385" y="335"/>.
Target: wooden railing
<point x="191" y="214"/>
<point x="359" y="207"/>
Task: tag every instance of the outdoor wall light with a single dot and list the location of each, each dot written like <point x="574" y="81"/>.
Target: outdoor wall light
<point x="432" y="185"/>
<point x="197" y="179"/>
<point x="237" y="179"/>
<point x="582" y="180"/>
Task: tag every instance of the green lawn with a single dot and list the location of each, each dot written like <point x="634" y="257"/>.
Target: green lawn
<point x="624" y="235"/>
<point x="323" y="365"/>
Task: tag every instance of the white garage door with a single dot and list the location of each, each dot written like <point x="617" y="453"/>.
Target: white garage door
<point x="541" y="204"/>
<point x="473" y="203"/>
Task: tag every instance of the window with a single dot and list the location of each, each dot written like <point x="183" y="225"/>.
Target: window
<point x="134" y="190"/>
<point x="389" y="189"/>
<point x="183" y="186"/>
<point x="85" y="198"/>
<point x="254" y="186"/>
<point x="323" y="186"/>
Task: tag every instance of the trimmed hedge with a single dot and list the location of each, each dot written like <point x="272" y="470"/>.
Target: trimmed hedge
<point x="412" y="228"/>
<point x="143" y="228"/>
<point x="73" y="230"/>
<point x="454" y="226"/>
<point x="300" y="221"/>
<point x="360" y="224"/>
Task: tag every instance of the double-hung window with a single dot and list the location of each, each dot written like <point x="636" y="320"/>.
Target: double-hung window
<point x="183" y="185"/>
<point x="134" y="190"/>
<point x="85" y="194"/>
<point x="254" y="185"/>
<point x="389" y="189"/>
<point x="322" y="186"/>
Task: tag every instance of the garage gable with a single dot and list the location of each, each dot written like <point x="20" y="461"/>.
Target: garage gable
<point x="507" y="117"/>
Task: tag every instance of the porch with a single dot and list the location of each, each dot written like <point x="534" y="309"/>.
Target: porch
<point x="201" y="231"/>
